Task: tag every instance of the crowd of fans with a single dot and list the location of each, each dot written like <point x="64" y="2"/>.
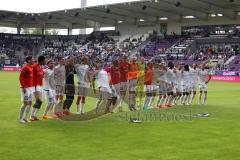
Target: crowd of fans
<point x="102" y="47"/>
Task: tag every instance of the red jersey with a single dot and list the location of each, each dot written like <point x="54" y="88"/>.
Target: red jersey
<point x="148" y="76"/>
<point x="37" y="75"/>
<point x="114" y="75"/>
<point x="26" y="76"/>
<point x="133" y="71"/>
<point x="108" y="70"/>
<point x="123" y="67"/>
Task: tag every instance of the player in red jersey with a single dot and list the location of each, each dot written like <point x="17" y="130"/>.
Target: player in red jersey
<point x="148" y="78"/>
<point x="132" y="83"/>
<point x="123" y="67"/>
<point x="26" y="82"/>
<point x="115" y="84"/>
<point x="38" y="83"/>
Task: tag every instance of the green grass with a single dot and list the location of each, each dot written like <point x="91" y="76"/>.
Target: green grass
<point x="108" y="137"/>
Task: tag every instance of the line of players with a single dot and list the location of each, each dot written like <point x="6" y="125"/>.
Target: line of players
<point x="171" y="84"/>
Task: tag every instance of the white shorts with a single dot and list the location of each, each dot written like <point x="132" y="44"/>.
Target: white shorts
<point x="178" y="87"/>
<point x="155" y="88"/>
<point x="148" y="88"/>
<point x="123" y="86"/>
<point x="50" y="96"/>
<point x="132" y="85"/>
<point x="185" y="88"/>
<point x="175" y="89"/>
<point x="193" y="87"/>
<point x="165" y="88"/>
<point x="39" y="89"/>
<point x="203" y="87"/>
<point x="104" y="93"/>
<point x="60" y="90"/>
<point x="115" y="90"/>
<point x="27" y="95"/>
<point x="161" y="89"/>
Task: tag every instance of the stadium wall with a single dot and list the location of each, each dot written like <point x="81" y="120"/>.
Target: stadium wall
<point x="173" y="26"/>
<point x="128" y="30"/>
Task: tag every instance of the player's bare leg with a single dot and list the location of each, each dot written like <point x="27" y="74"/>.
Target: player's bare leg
<point x="36" y="106"/>
<point x="98" y="103"/>
<point x="132" y="100"/>
<point x="192" y="96"/>
<point x="200" y="98"/>
<point x="160" y="100"/>
<point x="204" y="98"/>
<point x="24" y="115"/>
<point x="170" y="99"/>
<point x="113" y="103"/>
<point x="179" y="95"/>
<point x="58" y="107"/>
<point x="122" y="96"/>
<point x="24" y="111"/>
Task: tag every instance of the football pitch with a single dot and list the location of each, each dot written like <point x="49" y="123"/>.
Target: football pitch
<point x="110" y="137"/>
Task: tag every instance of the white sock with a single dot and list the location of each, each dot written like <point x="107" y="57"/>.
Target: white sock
<point x="21" y="113"/>
<point x="175" y="100"/>
<point x="78" y="107"/>
<point x="181" y="99"/>
<point x="33" y="112"/>
<point x="147" y="101"/>
<point x="81" y="107"/>
<point x="169" y="99"/>
<point x="204" y="98"/>
<point x="165" y="100"/>
<point x="120" y="102"/>
<point x="192" y="98"/>
<point x="27" y="110"/>
<point x="97" y="105"/>
<point x="188" y="98"/>
<point x="160" y="102"/>
<point x="184" y="99"/>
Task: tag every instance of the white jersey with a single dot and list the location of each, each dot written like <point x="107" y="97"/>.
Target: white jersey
<point x="60" y="75"/>
<point x="178" y="77"/>
<point x="47" y="79"/>
<point x="170" y="76"/>
<point x="194" y="75"/>
<point x="202" y="76"/>
<point x="186" y="78"/>
<point x="158" y="76"/>
<point x="82" y="71"/>
<point x="102" y="79"/>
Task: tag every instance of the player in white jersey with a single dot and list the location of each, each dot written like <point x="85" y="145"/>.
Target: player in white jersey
<point x="177" y="83"/>
<point x="170" y="82"/>
<point x="202" y="81"/>
<point x="49" y="91"/>
<point x="159" y="77"/>
<point x="83" y="75"/>
<point x="186" y="76"/>
<point x="104" y="90"/>
<point x="193" y="82"/>
<point x="59" y="77"/>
